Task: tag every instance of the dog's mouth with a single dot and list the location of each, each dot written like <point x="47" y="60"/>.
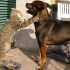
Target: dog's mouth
<point x="31" y="10"/>
<point x="27" y="10"/>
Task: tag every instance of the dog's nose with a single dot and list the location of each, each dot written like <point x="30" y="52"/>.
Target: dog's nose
<point x="27" y="4"/>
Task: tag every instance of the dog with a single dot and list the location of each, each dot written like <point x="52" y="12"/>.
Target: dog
<point x="48" y="31"/>
<point x="9" y="29"/>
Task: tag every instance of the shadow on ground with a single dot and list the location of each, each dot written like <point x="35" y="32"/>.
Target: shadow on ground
<point x="27" y="43"/>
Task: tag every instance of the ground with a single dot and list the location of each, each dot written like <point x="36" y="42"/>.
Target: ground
<point x="27" y="49"/>
<point x="28" y="63"/>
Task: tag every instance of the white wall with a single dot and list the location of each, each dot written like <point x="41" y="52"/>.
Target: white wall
<point x="48" y="1"/>
<point x="21" y="6"/>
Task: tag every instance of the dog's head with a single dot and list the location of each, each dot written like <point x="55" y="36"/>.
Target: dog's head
<point x="36" y="6"/>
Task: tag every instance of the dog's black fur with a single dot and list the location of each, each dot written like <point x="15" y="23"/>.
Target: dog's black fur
<point x="59" y="34"/>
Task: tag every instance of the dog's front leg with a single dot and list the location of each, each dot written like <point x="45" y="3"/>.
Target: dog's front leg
<point x="43" y="57"/>
<point x="43" y="48"/>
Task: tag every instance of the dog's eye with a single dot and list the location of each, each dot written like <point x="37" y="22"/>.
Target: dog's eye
<point x="39" y="7"/>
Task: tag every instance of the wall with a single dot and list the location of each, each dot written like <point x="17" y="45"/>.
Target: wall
<point x="20" y="5"/>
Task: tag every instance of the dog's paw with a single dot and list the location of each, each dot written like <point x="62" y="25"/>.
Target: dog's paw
<point x="35" y="19"/>
<point x="41" y="67"/>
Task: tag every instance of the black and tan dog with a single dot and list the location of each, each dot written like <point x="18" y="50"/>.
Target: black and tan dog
<point x="47" y="31"/>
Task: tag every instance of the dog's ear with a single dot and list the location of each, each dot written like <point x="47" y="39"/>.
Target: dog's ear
<point x="47" y="5"/>
<point x="40" y="7"/>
